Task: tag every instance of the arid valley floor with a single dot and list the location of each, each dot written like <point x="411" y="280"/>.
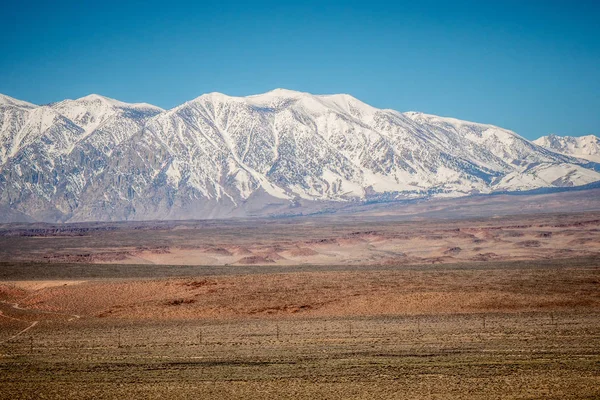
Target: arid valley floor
<point x="322" y="308"/>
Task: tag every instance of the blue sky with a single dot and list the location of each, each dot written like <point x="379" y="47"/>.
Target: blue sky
<point x="531" y="66"/>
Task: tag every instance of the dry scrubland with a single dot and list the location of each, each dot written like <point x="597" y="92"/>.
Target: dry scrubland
<point x="307" y="241"/>
<point x="437" y="321"/>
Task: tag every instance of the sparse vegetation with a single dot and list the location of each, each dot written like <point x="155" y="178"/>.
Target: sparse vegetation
<point x="451" y="329"/>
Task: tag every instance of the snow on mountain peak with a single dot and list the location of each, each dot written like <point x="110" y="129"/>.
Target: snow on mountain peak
<point x="415" y="115"/>
<point x="280" y="99"/>
<point x="214" y="97"/>
<point x="96" y="98"/>
<point x="280" y="92"/>
<point x="92" y="111"/>
<point x="586" y="147"/>
<point x="10" y="101"/>
<point x="275" y="98"/>
<point x="217" y="156"/>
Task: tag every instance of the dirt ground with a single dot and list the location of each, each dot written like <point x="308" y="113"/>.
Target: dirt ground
<point x="445" y="320"/>
<point x="508" y="330"/>
<point x="307" y="241"/>
<point x="561" y="285"/>
<point x="479" y="356"/>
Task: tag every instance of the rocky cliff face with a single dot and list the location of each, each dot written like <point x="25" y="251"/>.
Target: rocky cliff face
<point x="218" y="156"/>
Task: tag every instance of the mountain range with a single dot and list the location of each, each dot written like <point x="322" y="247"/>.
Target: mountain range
<point x="587" y="147"/>
<point x="277" y="153"/>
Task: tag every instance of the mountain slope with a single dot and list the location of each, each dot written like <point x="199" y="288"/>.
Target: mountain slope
<point x="280" y="152"/>
<point x="10" y="101"/>
<point x="59" y="150"/>
<point x="587" y="147"/>
<point x="14" y="133"/>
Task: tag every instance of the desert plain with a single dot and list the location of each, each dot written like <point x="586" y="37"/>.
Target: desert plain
<point x="359" y="307"/>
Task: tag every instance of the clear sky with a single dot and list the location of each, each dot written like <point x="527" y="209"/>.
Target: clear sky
<point x="531" y="66"/>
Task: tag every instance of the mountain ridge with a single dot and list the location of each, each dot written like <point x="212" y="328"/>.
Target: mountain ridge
<point x="587" y="147"/>
<point x="216" y="156"/>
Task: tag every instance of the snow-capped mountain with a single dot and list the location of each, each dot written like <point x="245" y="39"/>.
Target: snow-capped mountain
<point x="587" y="147"/>
<point x="96" y="158"/>
<point x="52" y="152"/>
